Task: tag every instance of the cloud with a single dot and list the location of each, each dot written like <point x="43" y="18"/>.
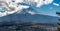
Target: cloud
<point x="56" y="4"/>
<point x="43" y="2"/>
<point x="38" y="3"/>
<point x="11" y="6"/>
<point x="48" y="1"/>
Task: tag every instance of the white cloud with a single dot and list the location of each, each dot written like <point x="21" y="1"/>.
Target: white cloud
<point x="38" y="3"/>
<point x="12" y="5"/>
<point x="48" y="1"/>
<point x="56" y="4"/>
<point x="2" y="14"/>
<point x="43" y="2"/>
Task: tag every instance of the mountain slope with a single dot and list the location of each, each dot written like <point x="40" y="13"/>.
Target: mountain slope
<point x="30" y="18"/>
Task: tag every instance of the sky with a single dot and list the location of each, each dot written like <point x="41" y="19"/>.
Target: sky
<point x="50" y="9"/>
<point x="46" y="7"/>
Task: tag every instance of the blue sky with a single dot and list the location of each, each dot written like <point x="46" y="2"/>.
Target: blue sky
<point x="49" y="9"/>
